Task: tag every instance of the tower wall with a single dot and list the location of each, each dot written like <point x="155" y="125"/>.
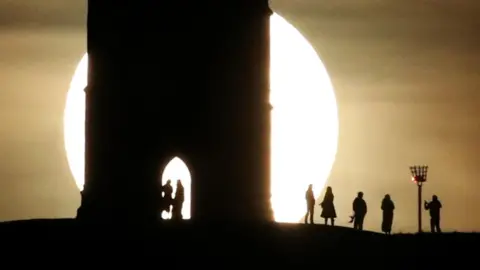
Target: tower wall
<point x="178" y="78"/>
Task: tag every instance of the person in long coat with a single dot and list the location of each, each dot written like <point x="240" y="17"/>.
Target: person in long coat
<point x="178" y="201"/>
<point x="387" y="207"/>
<point x="328" y="208"/>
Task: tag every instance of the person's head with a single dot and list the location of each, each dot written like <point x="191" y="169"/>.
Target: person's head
<point x="387" y="197"/>
<point x="360" y="194"/>
<point x="310" y="186"/>
<point x="329" y="190"/>
<point x="169" y="182"/>
<point x="179" y="182"/>
<point x="434" y="198"/>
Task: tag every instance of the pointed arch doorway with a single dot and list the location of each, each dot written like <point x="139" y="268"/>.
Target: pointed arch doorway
<point x="176" y="169"/>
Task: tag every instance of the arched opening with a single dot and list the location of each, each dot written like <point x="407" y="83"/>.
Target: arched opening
<point x="175" y="170"/>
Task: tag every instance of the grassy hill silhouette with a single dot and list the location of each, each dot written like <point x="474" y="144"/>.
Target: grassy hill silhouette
<point x="209" y="245"/>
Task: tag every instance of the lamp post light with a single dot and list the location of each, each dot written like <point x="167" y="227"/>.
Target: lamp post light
<point x="419" y="176"/>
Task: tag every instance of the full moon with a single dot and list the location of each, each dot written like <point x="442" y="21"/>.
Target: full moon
<point x="304" y="124"/>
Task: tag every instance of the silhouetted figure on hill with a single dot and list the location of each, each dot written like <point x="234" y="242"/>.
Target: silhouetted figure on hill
<point x="434" y="207"/>
<point x="178" y="201"/>
<point x="167" y="200"/>
<point x="359" y="211"/>
<point x="310" y="198"/>
<point x="387" y="207"/>
<point x="328" y="208"/>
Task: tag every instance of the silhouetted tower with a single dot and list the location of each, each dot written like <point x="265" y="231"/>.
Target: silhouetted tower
<point x="419" y="176"/>
<point x="178" y="78"/>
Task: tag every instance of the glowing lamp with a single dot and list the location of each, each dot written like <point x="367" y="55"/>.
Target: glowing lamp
<point x="419" y="176"/>
<point x="418" y="179"/>
<point x="419" y="173"/>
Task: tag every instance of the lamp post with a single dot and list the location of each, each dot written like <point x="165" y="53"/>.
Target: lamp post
<point x="419" y="176"/>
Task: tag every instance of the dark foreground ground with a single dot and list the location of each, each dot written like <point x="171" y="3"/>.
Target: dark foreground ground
<point x="65" y="243"/>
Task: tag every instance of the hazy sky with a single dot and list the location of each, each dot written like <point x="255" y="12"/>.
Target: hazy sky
<point x="407" y="81"/>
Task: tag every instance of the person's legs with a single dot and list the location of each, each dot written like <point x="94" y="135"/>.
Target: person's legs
<point x="437" y="226"/>
<point x="180" y="207"/>
<point x="312" y="213"/>
<point x="309" y="214"/>
<point x="332" y="221"/>
<point x="356" y="224"/>
<point x="432" y="225"/>
<point x="306" y="214"/>
<point x="177" y="211"/>
<point x="360" y="223"/>
<point x="174" y="212"/>
<point x="168" y="205"/>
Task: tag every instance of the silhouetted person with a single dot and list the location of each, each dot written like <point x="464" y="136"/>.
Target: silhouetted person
<point x="328" y="208"/>
<point x="359" y="211"/>
<point x="178" y="201"/>
<point x="434" y="207"/>
<point x="167" y="200"/>
<point x="310" y="198"/>
<point x="387" y="207"/>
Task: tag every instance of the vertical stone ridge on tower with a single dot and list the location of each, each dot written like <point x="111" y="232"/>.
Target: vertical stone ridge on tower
<point x="178" y="78"/>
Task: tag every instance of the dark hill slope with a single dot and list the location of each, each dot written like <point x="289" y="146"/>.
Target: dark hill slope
<point x="224" y="246"/>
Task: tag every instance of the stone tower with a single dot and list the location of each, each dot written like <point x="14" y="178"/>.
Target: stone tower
<point x="178" y="78"/>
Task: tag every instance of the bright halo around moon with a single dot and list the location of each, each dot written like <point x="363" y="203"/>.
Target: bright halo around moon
<point x="304" y="124"/>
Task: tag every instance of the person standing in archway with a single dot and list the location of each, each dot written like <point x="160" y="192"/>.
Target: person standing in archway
<point x="310" y="198"/>
<point x="178" y="201"/>
<point x="328" y="208"/>
<point x="167" y="200"/>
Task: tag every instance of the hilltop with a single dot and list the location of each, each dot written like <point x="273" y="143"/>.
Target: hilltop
<point x="276" y="244"/>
